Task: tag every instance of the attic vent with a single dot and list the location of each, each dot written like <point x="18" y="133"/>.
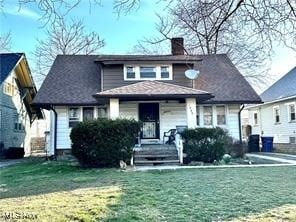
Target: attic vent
<point x="292" y="139"/>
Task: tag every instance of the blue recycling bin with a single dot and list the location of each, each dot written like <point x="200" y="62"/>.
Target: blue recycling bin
<point x="267" y="143"/>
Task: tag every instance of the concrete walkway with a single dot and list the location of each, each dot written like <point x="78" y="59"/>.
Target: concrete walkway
<point x="282" y="160"/>
<point x="277" y="158"/>
<point x="6" y="162"/>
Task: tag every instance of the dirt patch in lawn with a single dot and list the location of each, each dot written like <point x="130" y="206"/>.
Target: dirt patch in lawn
<point x="88" y="204"/>
<point x="283" y="213"/>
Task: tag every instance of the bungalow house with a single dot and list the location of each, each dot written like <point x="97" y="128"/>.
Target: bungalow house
<point x="150" y="88"/>
<point x="17" y="91"/>
<point x="276" y="117"/>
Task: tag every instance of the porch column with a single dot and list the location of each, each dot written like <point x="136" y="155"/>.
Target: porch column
<point x="191" y="112"/>
<point x="114" y="108"/>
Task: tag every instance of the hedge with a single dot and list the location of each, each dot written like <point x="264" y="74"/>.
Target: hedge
<point x="104" y="142"/>
<point x="205" y="144"/>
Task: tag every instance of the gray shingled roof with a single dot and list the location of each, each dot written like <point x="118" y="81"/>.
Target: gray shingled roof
<point x="283" y="88"/>
<point x="152" y="89"/>
<point x="72" y="79"/>
<point x="219" y="76"/>
<point x="7" y="62"/>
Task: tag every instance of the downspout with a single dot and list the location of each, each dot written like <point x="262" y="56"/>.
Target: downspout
<point x="55" y="130"/>
<point x="239" y="123"/>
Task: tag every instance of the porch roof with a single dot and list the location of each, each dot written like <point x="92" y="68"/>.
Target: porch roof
<point x="154" y="90"/>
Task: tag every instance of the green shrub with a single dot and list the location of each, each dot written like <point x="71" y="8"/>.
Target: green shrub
<point x="104" y="142"/>
<point x="205" y="144"/>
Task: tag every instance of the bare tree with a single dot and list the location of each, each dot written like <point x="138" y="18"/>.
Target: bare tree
<point x="244" y="29"/>
<point x="5" y="42"/>
<point x="63" y="38"/>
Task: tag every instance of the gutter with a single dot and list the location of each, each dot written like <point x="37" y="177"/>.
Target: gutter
<point x="55" y="131"/>
<point x="239" y="123"/>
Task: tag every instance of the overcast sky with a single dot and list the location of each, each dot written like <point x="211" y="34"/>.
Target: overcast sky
<point x="120" y="34"/>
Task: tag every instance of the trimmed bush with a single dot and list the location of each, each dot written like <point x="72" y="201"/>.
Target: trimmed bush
<point x="104" y="142"/>
<point x="205" y="144"/>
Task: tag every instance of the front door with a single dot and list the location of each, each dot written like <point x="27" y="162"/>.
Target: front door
<point x="149" y="115"/>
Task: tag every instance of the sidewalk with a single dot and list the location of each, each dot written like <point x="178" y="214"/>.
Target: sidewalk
<point x="282" y="159"/>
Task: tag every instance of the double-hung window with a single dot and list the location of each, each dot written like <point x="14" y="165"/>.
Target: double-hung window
<point x="208" y="115"/>
<point x="221" y="115"/>
<point x="291" y="108"/>
<point x="130" y="72"/>
<point x="147" y="72"/>
<point x="255" y="118"/>
<point x="88" y="113"/>
<point x="74" y="116"/>
<point x="276" y="114"/>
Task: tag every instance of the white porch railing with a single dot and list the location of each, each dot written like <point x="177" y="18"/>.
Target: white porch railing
<point x="179" y="146"/>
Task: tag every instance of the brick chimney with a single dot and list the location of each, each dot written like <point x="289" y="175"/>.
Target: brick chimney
<point x="177" y="45"/>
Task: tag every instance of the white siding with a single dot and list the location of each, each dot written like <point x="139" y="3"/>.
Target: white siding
<point x="232" y="121"/>
<point x="128" y="110"/>
<point x="267" y="127"/>
<point x="63" y="130"/>
<point x="171" y="115"/>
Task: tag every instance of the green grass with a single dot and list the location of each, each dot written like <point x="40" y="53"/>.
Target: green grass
<point x="68" y="193"/>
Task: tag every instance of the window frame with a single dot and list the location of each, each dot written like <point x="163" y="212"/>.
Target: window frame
<point x="76" y="120"/>
<point x="88" y="108"/>
<point x="138" y="77"/>
<point x="198" y="115"/>
<point x="255" y="120"/>
<point x="212" y="119"/>
<point x="275" y="116"/>
<point x="290" y="113"/>
<point x="225" y="120"/>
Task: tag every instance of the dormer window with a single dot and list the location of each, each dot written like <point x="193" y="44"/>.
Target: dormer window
<point x="130" y="72"/>
<point x="148" y="72"/>
<point x="165" y="72"/>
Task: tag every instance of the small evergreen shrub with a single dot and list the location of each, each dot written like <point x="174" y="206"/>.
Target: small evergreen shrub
<point x="104" y="142"/>
<point x="205" y="144"/>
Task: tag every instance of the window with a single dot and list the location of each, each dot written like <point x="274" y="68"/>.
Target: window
<point x="221" y="117"/>
<point x="148" y="72"/>
<point x="276" y="113"/>
<point x="74" y="116"/>
<point x="88" y="113"/>
<point x="208" y="115"/>
<point x="292" y="139"/>
<point x="102" y="112"/>
<point x="130" y="72"/>
<point x="8" y="89"/>
<point x="18" y="125"/>
<point x="255" y="118"/>
<point x="292" y="112"/>
<point x="165" y="72"/>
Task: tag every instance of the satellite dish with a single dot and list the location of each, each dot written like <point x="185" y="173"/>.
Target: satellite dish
<point x="191" y="73"/>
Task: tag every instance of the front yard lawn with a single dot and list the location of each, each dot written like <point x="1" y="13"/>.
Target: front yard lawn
<point x="58" y="191"/>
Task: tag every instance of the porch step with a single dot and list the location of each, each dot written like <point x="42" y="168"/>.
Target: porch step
<point x="155" y="162"/>
<point x="154" y="156"/>
<point x="148" y="155"/>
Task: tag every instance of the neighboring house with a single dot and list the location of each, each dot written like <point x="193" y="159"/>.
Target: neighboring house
<point x="152" y="89"/>
<point x="276" y="117"/>
<point x="17" y="91"/>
